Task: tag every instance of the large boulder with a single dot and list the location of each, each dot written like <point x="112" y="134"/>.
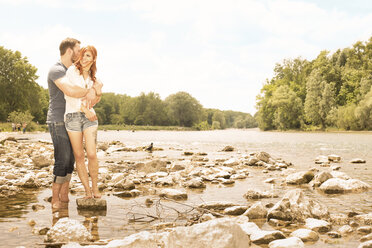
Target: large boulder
<point x="338" y="185"/>
<point x="256" y="211"/>
<point x="68" y="230"/>
<point x="217" y="233"/>
<point x="320" y="178"/>
<point x="367" y="244"/>
<point x="296" y="206"/>
<point x="365" y="219"/>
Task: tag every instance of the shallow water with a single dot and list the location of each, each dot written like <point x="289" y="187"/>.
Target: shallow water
<point x="297" y="147"/>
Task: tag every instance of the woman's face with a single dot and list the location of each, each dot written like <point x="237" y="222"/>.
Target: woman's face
<point x="87" y="60"/>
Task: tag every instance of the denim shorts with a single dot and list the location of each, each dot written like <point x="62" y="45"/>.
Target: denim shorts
<point x="78" y="122"/>
<point x="63" y="155"/>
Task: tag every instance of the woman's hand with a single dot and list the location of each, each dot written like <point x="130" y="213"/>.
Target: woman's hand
<point x="90" y="115"/>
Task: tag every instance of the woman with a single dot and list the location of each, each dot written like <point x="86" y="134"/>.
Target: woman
<point x="81" y="121"/>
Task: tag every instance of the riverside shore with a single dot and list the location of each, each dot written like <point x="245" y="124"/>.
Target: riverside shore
<point x="265" y="215"/>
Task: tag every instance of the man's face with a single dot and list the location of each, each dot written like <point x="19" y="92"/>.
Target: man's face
<point x="75" y="52"/>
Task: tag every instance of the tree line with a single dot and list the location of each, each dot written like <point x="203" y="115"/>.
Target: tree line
<point x="331" y="91"/>
<point x="22" y="96"/>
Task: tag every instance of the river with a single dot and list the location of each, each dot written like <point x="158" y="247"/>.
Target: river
<point x="299" y="148"/>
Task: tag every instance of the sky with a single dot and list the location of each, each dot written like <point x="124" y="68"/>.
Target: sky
<point x="219" y="51"/>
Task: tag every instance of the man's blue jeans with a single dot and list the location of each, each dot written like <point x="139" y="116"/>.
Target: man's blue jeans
<point x="64" y="159"/>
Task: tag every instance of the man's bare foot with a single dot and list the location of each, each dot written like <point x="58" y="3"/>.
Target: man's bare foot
<point x="97" y="195"/>
<point x="55" y="205"/>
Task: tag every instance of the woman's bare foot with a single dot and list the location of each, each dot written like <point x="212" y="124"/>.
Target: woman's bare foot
<point x="55" y="205"/>
<point x="97" y="195"/>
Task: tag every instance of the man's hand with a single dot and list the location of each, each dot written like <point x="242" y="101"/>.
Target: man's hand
<point x="90" y="97"/>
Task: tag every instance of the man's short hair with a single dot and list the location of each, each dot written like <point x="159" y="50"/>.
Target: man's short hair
<point x="67" y="43"/>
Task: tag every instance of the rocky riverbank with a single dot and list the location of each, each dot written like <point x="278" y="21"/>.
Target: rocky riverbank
<point x="295" y="219"/>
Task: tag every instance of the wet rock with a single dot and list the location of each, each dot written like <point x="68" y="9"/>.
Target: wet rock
<point x="137" y="240"/>
<point x="256" y="211"/>
<point x="231" y="162"/>
<point x="177" y="167"/>
<point x="188" y="153"/>
<point x="345" y="229"/>
<point x="91" y="204"/>
<point x="334" y="158"/>
<point x="339" y="219"/>
<point x="321" y="160"/>
<point x="29" y="181"/>
<point x="103" y="146"/>
<point x="292" y="242"/>
<point x="127" y="193"/>
<point x="217" y="205"/>
<point x="153" y="166"/>
<point x="117" y="177"/>
<point x="334" y="234"/>
<point x="236" y="210"/>
<point x="320" y="178"/>
<point x="366" y="238"/>
<point x="41" y="161"/>
<point x="339" y="174"/>
<point x="321" y="226"/>
<point x="68" y="230"/>
<point x="173" y="194"/>
<point x="265" y="237"/>
<point x="251" y="161"/>
<point x="37" y="207"/>
<point x="263" y="156"/>
<point x="306" y="235"/>
<point x="338" y="185"/>
<point x="364" y="230"/>
<point x="256" y="194"/>
<point x="43" y="174"/>
<point x="301" y="177"/>
<point x="296" y="206"/>
<point x="367" y="244"/>
<point x="365" y="219"/>
<point x="196" y="183"/>
<point x="164" y="181"/>
<point x="358" y="161"/>
<point x="125" y="184"/>
<point x="223" y="233"/>
<point x="228" y="149"/>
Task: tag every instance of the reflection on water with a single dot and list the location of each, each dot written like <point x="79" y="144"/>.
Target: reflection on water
<point x="298" y="148"/>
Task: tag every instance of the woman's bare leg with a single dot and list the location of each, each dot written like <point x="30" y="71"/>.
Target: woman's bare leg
<point x="90" y="136"/>
<point x="76" y="139"/>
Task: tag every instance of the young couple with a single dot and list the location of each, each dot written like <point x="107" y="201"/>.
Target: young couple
<point x="73" y="91"/>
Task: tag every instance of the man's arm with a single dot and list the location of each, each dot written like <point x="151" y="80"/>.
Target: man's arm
<point x="71" y="90"/>
<point x="76" y="91"/>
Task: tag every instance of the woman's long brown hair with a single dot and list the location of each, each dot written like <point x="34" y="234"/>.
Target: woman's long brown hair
<point x="93" y="68"/>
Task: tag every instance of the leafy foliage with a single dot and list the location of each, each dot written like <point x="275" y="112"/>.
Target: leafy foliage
<point x="332" y="90"/>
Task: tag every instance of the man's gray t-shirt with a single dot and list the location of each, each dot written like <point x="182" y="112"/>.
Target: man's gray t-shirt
<point x="57" y="102"/>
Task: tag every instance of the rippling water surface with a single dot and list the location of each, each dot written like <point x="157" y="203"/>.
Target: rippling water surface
<point x="297" y="147"/>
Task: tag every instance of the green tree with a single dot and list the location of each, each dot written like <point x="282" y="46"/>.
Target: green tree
<point x="17" y="79"/>
<point x="218" y="116"/>
<point x="184" y="109"/>
<point x="287" y="108"/>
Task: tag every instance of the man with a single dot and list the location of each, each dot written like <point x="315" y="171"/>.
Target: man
<point x="63" y="154"/>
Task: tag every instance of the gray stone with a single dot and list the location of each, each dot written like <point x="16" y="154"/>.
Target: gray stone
<point x="195" y="183"/>
<point x="91" y="204"/>
<point x="265" y="237"/>
<point x="256" y="211"/>
<point x="338" y="185"/>
<point x="365" y="219"/>
<point x="41" y="161"/>
<point x="68" y="230"/>
<point x="296" y="206"/>
<point x="345" y="229"/>
<point x="228" y="149"/>
<point x="320" y="178"/>
<point x="334" y="158"/>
